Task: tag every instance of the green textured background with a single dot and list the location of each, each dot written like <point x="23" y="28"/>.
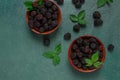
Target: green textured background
<point x="21" y="50"/>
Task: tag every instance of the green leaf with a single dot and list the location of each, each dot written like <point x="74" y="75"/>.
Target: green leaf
<point x="81" y="14"/>
<point x="89" y="62"/>
<point x="28" y="4"/>
<point x="56" y="60"/>
<point x="40" y="2"/>
<point x="97" y="64"/>
<point x="58" y="49"/>
<point x="101" y="3"/>
<point x="73" y="18"/>
<point x="110" y="1"/>
<point x="82" y="22"/>
<point x="49" y="54"/>
<point x="95" y="57"/>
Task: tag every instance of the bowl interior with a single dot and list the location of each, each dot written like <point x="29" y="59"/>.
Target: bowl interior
<point x="80" y="69"/>
<point x="58" y="24"/>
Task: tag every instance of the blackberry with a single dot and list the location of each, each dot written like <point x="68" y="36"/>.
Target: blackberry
<point x="33" y="13"/>
<point x="43" y="11"/>
<point x="44" y="20"/>
<point x="50" y="11"/>
<point x="49" y="22"/>
<point x="42" y="29"/>
<point x="46" y="41"/>
<point x="76" y="28"/>
<point x="74" y="47"/>
<point x="92" y="40"/>
<point x="79" y="65"/>
<point x="79" y="41"/>
<point x="83" y="61"/>
<point x="98" y="22"/>
<point x="31" y="23"/>
<point x="79" y="55"/>
<point x="78" y="4"/>
<point x="73" y="55"/>
<point x="54" y="17"/>
<point x="75" y="62"/>
<point x="84" y="67"/>
<point x="46" y="26"/>
<point x="39" y="17"/>
<point x="54" y="7"/>
<point x="87" y="50"/>
<point x="110" y="47"/>
<point x="67" y="36"/>
<point x="48" y="4"/>
<point x="96" y="15"/>
<point x="91" y="67"/>
<point x="54" y="23"/>
<point x="60" y="2"/>
<point x="48" y="15"/>
<point x="85" y="43"/>
<point x="93" y="46"/>
<point x="37" y="24"/>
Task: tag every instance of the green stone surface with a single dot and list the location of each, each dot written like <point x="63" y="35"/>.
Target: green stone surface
<point x="21" y="50"/>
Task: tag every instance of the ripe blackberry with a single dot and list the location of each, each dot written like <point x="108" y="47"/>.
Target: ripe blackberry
<point x="54" y="7"/>
<point x="48" y="4"/>
<point x="42" y="29"/>
<point x="33" y="13"/>
<point x="48" y="15"/>
<point x="110" y="47"/>
<point x="76" y="28"/>
<point x="75" y="62"/>
<point x="98" y="22"/>
<point x="67" y="36"/>
<point x="96" y="15"/>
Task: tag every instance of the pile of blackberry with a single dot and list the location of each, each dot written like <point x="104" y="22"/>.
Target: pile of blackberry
<point x="97" y="18"/>
<point x="78" y="3"/>
<point x="43" y="18"/>
<point x="84" y="48"/>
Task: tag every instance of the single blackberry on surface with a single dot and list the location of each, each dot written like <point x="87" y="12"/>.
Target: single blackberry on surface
<point x="67" y="36"/>
<point x="76" y="28"/>
<point x="110" y="47"/>
<point x="96" y="15"/>
<point x="98" y="22"/>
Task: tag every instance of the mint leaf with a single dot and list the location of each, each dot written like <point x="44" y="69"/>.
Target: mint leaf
<point x="28" y="4"/>
<point x="58" y="49"/>
<point x="97" y="64"/>
<point x="40" y="2"/>
<point x="101" y="3"/>
<point x="49" y="54"/>
<point x="82" y="22"/>
<point x="89" y="62"/>
<point x="56" y="60"/>
<point x="95" y="57"/>
<point x="73" y="18"/>
<point x="81" y="14"/>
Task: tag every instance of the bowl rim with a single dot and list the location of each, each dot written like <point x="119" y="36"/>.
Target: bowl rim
<point x="80" y="69"/>
<point x="50" y="31"/>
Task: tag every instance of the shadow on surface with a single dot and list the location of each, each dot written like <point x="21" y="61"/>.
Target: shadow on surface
<point x="83" y="76"/>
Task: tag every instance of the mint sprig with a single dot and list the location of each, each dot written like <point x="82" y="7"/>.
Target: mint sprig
<point x="93" y="61"/>
<point x="54" y="55"/>
<point x="101" y="3"/>
<point x="79" y="18"/>
<point x="29" y="4"/>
